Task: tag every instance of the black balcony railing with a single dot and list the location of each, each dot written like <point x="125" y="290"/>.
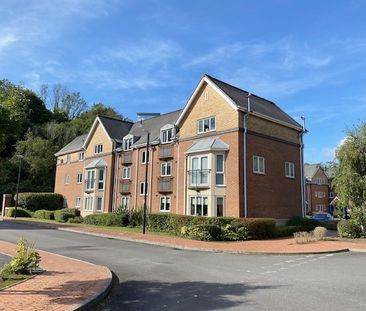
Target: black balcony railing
<point x="127" y="158"/>
<point x="199" y="178"/>
<point x="125" y="186"/>
<point x="166" y="152"/>
<point x="165" y="184"/>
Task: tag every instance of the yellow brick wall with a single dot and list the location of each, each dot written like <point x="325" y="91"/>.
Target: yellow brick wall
<point x="98" y="137"/>
<point x="214" y="105"/>
<point x="272" y="129"/>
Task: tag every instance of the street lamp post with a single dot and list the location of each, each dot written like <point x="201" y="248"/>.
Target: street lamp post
<point x="146" y="173"/>
<point x="16" y="201"/>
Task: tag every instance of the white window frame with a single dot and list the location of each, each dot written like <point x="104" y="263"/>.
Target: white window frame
<point x="98" y="148"/>
<point x="256" y="165"/>
<point x="143" y="188"/>
<point x="101" y="205"/>
<point x="164" y="169"/>
<point x="290" y="169"/>
<point x="81" y="156"/>
<point x="127" y="142"/>
<point x="125" y="202"/>
<point x="200" y="169"/>
<point x="195" y="198"/>
<point x="201" y="125"/>
<point x="220" y="172"/>
<point x="331" y="195"/>
<point x="320" y="208"/>
<point x="223" y="205"/>
<point x="77" y="202"/>
<point x="79" y="178"/>
<point x="143" y="156"/>
<point x="92" y="180"/>
<point x="163" y="204"/>
<point x="126" y="172"/>
<point x="101" y="181"/>
<point x="67" y="179"/>
<point x="88" y="203"/>
<point x="164" y="137"/>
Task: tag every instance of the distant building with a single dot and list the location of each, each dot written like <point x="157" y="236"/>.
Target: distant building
<point x="226" y="153"/>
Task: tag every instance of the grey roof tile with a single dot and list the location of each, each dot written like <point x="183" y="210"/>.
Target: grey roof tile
<point x="310" y="170"/>
<point x="75" y="145"/>
<point x="115" y="128"/>
<point x="208" y="144"/>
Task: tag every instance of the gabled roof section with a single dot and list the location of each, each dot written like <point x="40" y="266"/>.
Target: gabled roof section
<point x="238" y="99"/>
<point x="209" y="144"/>
<point x="153" y="125"/>
<point x="73" y="146"/>
<point x="115" y="129"/>
<point x="96" y="164"/>
<point x="310" y="170"/>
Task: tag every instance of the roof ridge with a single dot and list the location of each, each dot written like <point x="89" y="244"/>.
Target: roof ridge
<point x="160" y="115"/>
<point x="112" y="118"/>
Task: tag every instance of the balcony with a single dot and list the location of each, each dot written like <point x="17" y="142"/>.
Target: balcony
<point x="125" y="186"/>
<point x="199" y="179"/>
<point x="165" y="184"/>
<point x="89" y="185"/>
<point x="166" y="152"/>
<point x="127" y="158"/>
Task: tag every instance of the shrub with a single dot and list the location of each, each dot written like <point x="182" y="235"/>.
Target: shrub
<point x="348" y="229"/>
<point x="21" y="212"/>
<point x="25" y="261"/>
<point x="202" y="232"/>
<point x="136" y="217"/>
<point x="286" y="231"/>
<point x="306" y="224"/>
<point x="330" y="224"/>
<point x="161" y="222"/>
<point x="261" y="228"/>
<point x="107" y="219"/>
<point x="63" y="215"/>
<point x="37" y="201"/>
<point x="75" y="220"/>
<point x="319" y="233"/>
<point x="236" y="232"/>
<point x="43" y="214"/>
<point x="303" y="237"/>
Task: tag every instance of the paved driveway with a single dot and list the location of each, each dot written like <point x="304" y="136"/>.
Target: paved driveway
<point x="158" y="278"/>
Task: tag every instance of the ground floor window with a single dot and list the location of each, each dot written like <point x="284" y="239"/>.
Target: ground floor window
<point x="320" y="208"/>
<point x="199" y="206"/>
<point x="219" y="206"/>
<point x="88" y="203"/>
<point x="77" y="202"/>
<point x="125" y="202"/>
<point x="99" y="207"/>
<point x="164" y="204"/>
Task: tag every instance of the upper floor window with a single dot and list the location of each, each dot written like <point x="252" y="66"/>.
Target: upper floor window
<point x="81" y="156"/>
<point x="320" y="194"/>
<point x="101" y="179"/>
<point x="206" y="125"/>
<point x="67" y="179"/>
<point x="127" y="143"/>
<point x="144" y="157"/>
<point x="98" y="148"/>
<point x="199" y="170"/>
<point x="126" y="172"/>
<point x="68" y="158"/>
<point x="164" y="204"/>
<point x="258" y="165"/>
<point x="77" y="202"/>
<point x="144" y="189"/>
<point x="79" y="178"/>
<point x="219" y="169"/>
<point x="290" y="169"/>
<point x="90" y="179"/>
<point x="320" y="181"/>
<point x="166" y="169"/>
<point x="166" y="135"/>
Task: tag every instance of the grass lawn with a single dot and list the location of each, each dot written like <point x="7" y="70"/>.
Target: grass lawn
<point x="14" y="279"/>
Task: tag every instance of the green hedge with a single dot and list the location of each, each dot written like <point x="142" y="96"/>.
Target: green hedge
<point x="63" y="215"/>
<point x="306" y="224"/>
<point x="348" y="229"/>
<point x="40" y="201"/>
<point x="261" y="228"/>
<point x="330" y="224"/>
<point x="21" y="212"/>
<point x="43" y="214"/>
<point x="286" y="231"/>
<point x="108" y="219"/>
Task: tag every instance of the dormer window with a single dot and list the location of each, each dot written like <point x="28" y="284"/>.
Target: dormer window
<point x="127" y="142"/>
<point x="206" y="125"/>
<point x="98" y="148"/>
<point x="167" y="134"/>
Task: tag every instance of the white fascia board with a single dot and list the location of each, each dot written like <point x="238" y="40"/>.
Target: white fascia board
<point x="92" y="129"/>
<point x="215" y="87"/>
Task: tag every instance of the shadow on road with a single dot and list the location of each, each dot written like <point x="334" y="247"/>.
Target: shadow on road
<point x="155" y="295"/>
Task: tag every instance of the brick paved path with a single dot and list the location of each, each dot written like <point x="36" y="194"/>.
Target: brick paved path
<point x="64" y="285"/>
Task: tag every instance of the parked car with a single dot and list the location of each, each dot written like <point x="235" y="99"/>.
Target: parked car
<point x="321" y="217"/>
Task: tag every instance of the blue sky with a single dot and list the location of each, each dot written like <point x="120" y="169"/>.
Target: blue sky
<point x="307" y="56"/>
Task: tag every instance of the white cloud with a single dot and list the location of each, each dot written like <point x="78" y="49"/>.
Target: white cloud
<point x="330" y="152"/>
<point x="7" y="40"/>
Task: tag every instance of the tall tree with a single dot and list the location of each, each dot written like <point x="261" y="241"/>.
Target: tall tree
<point x="350" y="179"/>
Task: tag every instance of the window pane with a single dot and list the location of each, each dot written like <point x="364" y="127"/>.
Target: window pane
<point x="204" y="163"/>
<point x="219" y="206"/>
<point x="193" y="206"/>
<point x="219" y="179"/>
<point x="219" y="163"/>
<point x="204" y="206"/>
<point x="206" y="125"/>
<point x="168" y="169"/>
<point x="167" y="204"/>
<point x="213" y="123"/>
<point x="200" y="126"/>
<point x="162" y="203"/>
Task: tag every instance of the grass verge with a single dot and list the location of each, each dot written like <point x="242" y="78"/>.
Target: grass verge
<point x="13" y="280"/>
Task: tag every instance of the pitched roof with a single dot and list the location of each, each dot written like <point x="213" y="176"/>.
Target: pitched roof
<point x="310" y="170"/>
<point x="208" y="144"/>
<point x="97" y="163"/>
<point x="116" y="129"/>
<point x="74" y="145"/>
<point x="152" y="125"/>
<point x="257" y="104"/>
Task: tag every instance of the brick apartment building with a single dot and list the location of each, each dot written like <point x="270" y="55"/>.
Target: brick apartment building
<point x="226" y="153"/>
<point x="319" y="193"/>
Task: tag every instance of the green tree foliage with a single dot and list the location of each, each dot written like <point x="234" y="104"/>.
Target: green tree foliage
<point x="350" y="179"/>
